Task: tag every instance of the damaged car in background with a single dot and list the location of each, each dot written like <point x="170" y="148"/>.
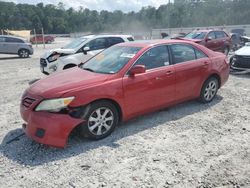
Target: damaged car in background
<point x="240" y="61"/>
<point x="75" y="52"/>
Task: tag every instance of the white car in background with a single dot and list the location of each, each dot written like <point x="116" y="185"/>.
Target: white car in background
<point x="240" y="60"/>
<point x="78" y="51"/>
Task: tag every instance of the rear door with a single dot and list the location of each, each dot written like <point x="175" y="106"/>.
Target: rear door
<point x="211" y="41"/>
<point x="191" y="69"/>
<point x="222" y="40"/>
<point x="154" y="88"/>
<point x="13" y="44"/>
<point x="3" y="48"/>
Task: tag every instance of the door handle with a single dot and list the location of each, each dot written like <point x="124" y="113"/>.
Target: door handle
<point x="169" y="73"/>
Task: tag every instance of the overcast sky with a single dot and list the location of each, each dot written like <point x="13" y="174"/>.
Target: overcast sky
<point x="124" y="5"/>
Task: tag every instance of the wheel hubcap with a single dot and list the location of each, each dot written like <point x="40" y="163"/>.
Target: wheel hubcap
<point x="100" y="121"/>
<point x="24" y="53"/>
<point x="210" y="90"/>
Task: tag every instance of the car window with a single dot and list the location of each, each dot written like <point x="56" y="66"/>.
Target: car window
<point x="130" y="39"/>
<point x="154" y="58"/>
<point x="182" y="53"/>
<point x="76" y="43"/>
<point x="14" y="40"/>
<point x="200" y="54"/>
<point x="2" y="39"/>
<point x="115" y="40"/>
<point x="220" y="34"/>
<point x="111" y="60"/>
<point x="196" y="35"/>
<point x="211" y="35"/>
<point x="97" y="44"/>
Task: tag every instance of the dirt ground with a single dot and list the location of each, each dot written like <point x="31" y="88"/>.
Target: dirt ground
<point x="189" y="145"/>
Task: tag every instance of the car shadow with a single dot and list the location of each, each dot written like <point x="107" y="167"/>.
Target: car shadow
<point x="19" y="148"/>
<point x="9" y="58"/>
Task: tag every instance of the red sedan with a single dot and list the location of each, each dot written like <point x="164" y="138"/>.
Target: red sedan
<point x="122" y="82"/>
<point x="39" y="39"/>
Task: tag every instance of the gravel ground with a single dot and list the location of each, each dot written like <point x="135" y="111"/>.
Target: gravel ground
<point x="189" y="145"/>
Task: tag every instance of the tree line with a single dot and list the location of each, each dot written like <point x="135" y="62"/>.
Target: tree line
<point x="182" y="13"/>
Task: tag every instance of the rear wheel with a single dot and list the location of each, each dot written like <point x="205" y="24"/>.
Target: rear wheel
<point x="209" y="90"/>
<point x="23" y="53"/>
<point x="102" y="118"/>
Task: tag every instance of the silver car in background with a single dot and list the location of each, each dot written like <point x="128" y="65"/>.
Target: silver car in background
<point x="15" y="45"/>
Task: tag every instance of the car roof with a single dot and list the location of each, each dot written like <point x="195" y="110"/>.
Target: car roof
<point x="11" y="36"/>
<point x="145" y="44"/>
<point x="148" y="43"/>
<point x="206" y="30"/>
<point x="99" y="36"/>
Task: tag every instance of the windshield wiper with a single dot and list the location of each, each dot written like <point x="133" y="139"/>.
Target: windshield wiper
<point x="88" y="69"/>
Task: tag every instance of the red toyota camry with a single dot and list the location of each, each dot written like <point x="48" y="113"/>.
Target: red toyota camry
<point x="122" y="82"/>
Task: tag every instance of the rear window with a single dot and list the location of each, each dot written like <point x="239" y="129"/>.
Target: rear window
<point x="220" y="34"/>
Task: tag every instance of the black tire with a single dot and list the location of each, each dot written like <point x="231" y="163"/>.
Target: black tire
<point x="69" y="66"/>
<point x="23" y="53"/>
<point x="99" y="127"/>
<point x="226" y="50"/>
<point x="209" y="90"/>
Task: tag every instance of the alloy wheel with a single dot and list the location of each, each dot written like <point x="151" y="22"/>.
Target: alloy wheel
<point x="24" y="53"/>
<point x="100" y="121"/>
<point x="210" y="90"/>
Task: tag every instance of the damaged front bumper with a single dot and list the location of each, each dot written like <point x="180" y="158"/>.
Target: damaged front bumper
<point x="240" y="63"/>
<point x="51" y="129"/>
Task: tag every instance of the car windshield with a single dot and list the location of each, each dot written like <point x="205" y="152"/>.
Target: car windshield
<point x="196" y="35"/>
<point x="112" y="60"/>
<point x="74" y="43"/>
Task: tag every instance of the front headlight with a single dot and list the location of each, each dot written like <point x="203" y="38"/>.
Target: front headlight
<point x="54" y="105"/>
<point x="53" y="57"/>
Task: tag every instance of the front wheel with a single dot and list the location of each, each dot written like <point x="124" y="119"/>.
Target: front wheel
<point x="23" y="53"/>
<point x="209" y="90"/>
<point x="102" y="118"/>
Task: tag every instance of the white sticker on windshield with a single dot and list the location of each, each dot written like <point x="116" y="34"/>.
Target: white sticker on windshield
<point x="127" y="55"/>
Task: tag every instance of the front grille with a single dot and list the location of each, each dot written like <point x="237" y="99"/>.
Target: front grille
<point x="27" y="102"/>
<point x="242" y="62"/>
<point x="43" y="62"/>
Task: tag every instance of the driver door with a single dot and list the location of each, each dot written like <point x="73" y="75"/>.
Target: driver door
<point x="153" y="89"/>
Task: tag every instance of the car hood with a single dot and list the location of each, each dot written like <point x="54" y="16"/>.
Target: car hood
<point x="65" y="81"/>
<point x="244" y="51"/>
<point x="192" y="40"/>
<point x="58" y="50"/>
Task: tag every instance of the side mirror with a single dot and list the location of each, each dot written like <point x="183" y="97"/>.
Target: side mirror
<point x="85" y="50"/>
<point x="209" y="38"/>
<point x="138" y="69"/>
